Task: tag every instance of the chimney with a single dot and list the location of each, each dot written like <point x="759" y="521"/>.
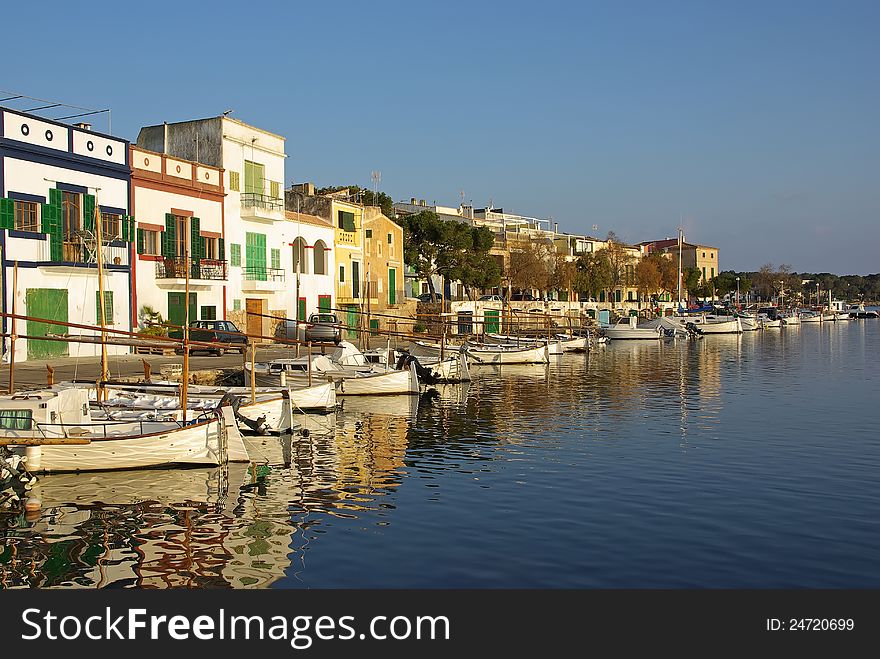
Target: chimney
<point x="422" y="202"/>
<point x="83" y="125"/>
<point x="412" y="201"/>
<point x="556" y="227"/>
<point x="165" y="137"/>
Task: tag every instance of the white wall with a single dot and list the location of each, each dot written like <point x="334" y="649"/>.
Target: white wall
<point x="310" y="284"/>
<point x="36" y="178"/>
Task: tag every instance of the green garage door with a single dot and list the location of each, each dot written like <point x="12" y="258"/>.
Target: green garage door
<point x="352" y="322"/>
<point x="491" y="321"/>
<point x="49" y="303"/>
<point x="177" y="310"/>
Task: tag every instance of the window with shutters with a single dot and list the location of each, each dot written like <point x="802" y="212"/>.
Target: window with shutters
<point x="108" y="307"/>
<point x="210" y="248"/>
<point x="236" y="305"/>
<point x="234" y="254"/>
<point x="111" y="226"/>
<point x="26" y="216"/>
<point x="181" y="235"/>
<point x="234" y="182"/>
<point x="70" y="214"/>
<point x="276" y="259"/>
<point x="345" y="220"/>
<point x="254" y="177"/>
<point x="209" y="313"/>
<point x="152" y="245"/>
<point x="255" y="266"/>
<point x="389" y="238"/>
<point x="274" y="189"/>
<point x="342" y="274"/>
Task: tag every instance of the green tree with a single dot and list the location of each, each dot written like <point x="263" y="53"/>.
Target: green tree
<point x="593" y="273"/>
<point x="424" y="236"/>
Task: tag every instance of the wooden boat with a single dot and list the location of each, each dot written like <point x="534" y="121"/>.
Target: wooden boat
<point x="405" y="381"/>
<point x="810" y="317"/>
<point x="52" y="417"/>
<point x="719" y="326"/>
<point x="499" y="354"/>
<point x="628" y="329"/>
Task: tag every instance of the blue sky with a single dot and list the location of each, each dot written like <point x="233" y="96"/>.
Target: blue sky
<point x="755" y="122"/>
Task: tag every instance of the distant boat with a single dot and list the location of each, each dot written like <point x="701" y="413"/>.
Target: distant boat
<point x="810" y="317"/>
<point x="499" y="354"/>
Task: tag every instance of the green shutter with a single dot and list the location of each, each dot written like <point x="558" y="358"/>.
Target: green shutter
<point x="51" y="224"/>
<point x="234" y="254"/>
<point x="196" y="247"/>
<point x="88" y="212"/>
<point x="7" y="214"/>
<point x="254" y="175"/>
<point x="255" y="245"/>
<point x="141" y="241"/>
<point x="346" y="221"/>
<point x="221" y="249"/>
<point x="323" y="303"/>
<point x="128" y="233"/>
<point x="108" y="307"/>
<point x="274" y="189"/>
<point x="392" y="285"/>
<point x="301" y="309"/>
<point x="168" y="237"/>
<point x="276" y="259"/>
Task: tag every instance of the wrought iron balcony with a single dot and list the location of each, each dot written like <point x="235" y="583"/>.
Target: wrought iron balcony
<point x="175" y="268"/>
<point x="258" y="206"/>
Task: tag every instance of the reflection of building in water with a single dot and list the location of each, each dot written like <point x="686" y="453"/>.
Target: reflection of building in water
<point x="203" y="528"/>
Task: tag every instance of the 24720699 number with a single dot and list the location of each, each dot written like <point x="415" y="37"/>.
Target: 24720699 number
<point x="810" y="624"/>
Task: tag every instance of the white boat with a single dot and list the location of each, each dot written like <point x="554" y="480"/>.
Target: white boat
<point x="499" y="354"/>
<point x="721" y="326"/>
<point x="790" y="320"/>
<point x="810" y="317"/>
<point x="427" y="349"/>
<point x="628" y="328"/>
<point x="64" y="415"/>
<point x="770" y="323"/>
<point x="405" y="381"/>
<point x="559" y="343"/>
<point x="450" y="369"/>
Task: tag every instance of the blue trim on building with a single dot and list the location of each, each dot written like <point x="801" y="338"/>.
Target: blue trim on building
<point x="29" y="235"/>
<point x="63" y="159"/>
<point x="70" y="187"/>
<point x="23" y="196"/>
<point x="111" y="209"/>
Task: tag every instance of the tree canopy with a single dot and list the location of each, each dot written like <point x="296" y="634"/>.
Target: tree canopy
<point x="366" y="196"/>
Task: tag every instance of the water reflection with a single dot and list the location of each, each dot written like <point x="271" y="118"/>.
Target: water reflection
<point x="373" y="493"/>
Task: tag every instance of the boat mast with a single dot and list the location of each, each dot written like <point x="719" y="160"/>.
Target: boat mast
<point x="12" y="337"/>
<point x="679" y="266"/>
<point x="99" y="238"/>
<point x="185" y="375"/>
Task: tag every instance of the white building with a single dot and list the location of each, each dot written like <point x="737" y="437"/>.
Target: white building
<point x="312" y="255"/>
<point x="253" y="164"/>
<point x="178" y="207"/>
<point x="52" y="178"/>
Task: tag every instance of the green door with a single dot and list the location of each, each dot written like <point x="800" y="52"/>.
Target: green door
<point x="392" y="286"/>
<point x="352" y="322"/>
<point x="324" y="303"/>
<point x="177" y="310"/>
<point x="301" y="309"/>
<point x="374" y="326"/>
<point x="491" y="321"/>
<point x="255" y="246"/>
<point x="49" y="303"/>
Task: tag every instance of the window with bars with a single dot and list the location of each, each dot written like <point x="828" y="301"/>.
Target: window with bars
<point x="111" y="226"/>
<point x="26" y="216"/>
<point x="70" y="214"/>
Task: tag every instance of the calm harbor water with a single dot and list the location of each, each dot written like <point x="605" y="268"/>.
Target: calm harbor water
<point x="733" y="461"/>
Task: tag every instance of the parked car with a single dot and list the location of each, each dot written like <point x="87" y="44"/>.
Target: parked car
<point x="523" y="297"/>
<point x="216" y="331"/>
<point x="426" y="297"/>
<point x="323" y="328"/>
<point x="490" y="298"/>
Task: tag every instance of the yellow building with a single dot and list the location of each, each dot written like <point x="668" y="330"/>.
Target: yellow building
<point x="383" y="256"/>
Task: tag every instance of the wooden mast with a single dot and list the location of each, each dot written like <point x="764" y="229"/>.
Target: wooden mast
<point x="105" y="374"/>
<point x="185" y="375"/>
<point x="12" y="337"/>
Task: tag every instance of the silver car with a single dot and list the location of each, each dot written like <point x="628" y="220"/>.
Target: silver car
<point x="323" y="328"/>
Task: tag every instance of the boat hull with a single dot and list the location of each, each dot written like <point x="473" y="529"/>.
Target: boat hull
<point x="499" y="355"/>
<point x="633" y="333"/>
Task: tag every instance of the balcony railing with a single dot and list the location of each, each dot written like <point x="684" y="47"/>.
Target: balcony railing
<point x="260" y="273"/>
<point x="75" y="251"/>
<point x="264" y="201"/>
<point x="175" y="268"/>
